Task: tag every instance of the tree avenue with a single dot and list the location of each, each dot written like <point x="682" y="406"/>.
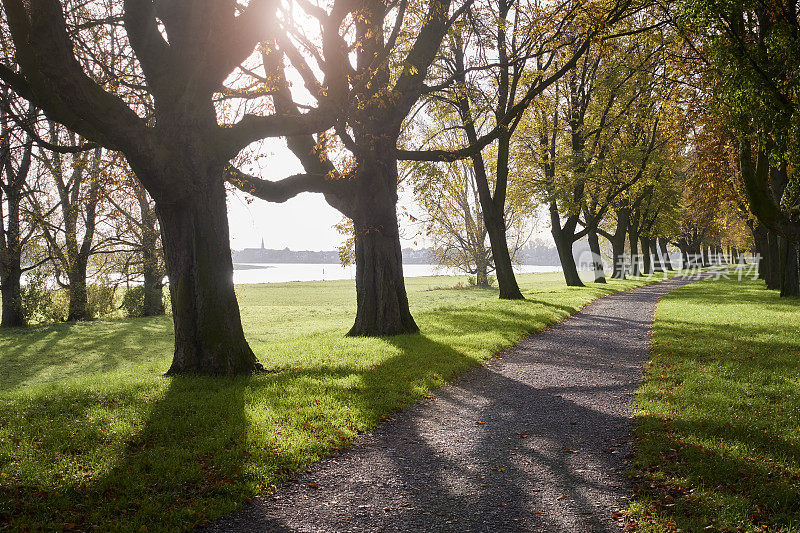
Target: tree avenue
<point x="626" y="121"/>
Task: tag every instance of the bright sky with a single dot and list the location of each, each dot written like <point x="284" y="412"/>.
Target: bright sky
<point x="303" y="223"/>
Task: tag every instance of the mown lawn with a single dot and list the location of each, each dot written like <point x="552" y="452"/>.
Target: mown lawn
<point x="92" y="435"/>
<point x="719" y="415"/>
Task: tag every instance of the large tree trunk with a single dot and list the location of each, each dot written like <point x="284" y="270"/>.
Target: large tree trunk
<point x="635" y="258"/>
<point x="665" y="259"/>
<point x="647" y="267"/>
<point x="78" y="297"/>
<point x="597" y="258"/>
<point x="790" y="283"/>
<point x="774" y="273"/>
<point x="382" y="303"/>
<point x="618" y="244"/>
<point x="208" y="330"/>
<point x="563" y="238"/>
<point x="13" y="317"/>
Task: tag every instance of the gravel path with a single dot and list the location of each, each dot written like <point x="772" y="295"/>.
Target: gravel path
<point x="533" y="441"/>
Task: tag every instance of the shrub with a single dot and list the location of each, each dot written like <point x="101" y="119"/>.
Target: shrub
<point x="100" y="300"/>
<point x="133" y="301"/>
<point x="35" y="297"/>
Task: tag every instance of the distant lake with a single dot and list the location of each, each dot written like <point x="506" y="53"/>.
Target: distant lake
<point x="247" y="273"/>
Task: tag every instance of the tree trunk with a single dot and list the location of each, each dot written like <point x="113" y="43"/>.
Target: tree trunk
<point x="10" y="264"/>
<point x="665" y="259"/>
<point x="618" y="244"/>
<point x="647" y="266"/>
<point x="568" y="266"/>
<point x="774" y="273"/>
<point x="618" y="251"/>
<point x="563" y="238"/>
<point x="208" y="330"/>
<point x="382" y="303"/>
<point x="13" y="317"/>
<point x="482" y="275"/>
<point x="658" y="264"/>
<point x="635" y="259"/>
<point x="793" y="282"/>
<point x="504" y="269"/>
<point x="761" y="245"/>
<point x="78" y="298"/>
<point x="153" y="303"/>
<point x="597" y="258"/>
<point x="790" y="283"/>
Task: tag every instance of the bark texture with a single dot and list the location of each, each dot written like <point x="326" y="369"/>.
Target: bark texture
<point x="208" y="331"/>
<point x="597" y="258"/>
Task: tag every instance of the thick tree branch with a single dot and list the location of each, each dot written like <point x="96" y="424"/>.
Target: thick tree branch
<point x="277" y="191"/>
<point x="59" y="85"/>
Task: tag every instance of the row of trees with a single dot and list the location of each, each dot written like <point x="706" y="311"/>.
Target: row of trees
<point x="749" y="53"/>
<point x="72" y="218"/>
<point x="612" y="148"/>
<point x="494" y="105"/>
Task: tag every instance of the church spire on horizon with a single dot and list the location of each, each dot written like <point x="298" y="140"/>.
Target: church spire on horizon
<point x="262" y="243"/>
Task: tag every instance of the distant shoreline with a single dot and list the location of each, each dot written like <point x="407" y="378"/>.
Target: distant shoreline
<point x="254" y="265"/>
<point x="251" y="266"/>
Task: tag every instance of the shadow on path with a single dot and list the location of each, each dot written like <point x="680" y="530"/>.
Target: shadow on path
<point x="532" y="441"/>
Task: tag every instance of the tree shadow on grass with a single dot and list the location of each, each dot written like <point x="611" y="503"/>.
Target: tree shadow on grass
<point x="180" y="455"/>
<point x="701" y="468"/>
<point x="175" y="452"/>
<point x="187" y="449"/>
<point x="717" y="429"/>
<point x="78" y="348"/>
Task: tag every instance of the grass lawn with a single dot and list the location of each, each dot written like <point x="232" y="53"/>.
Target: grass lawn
<point x="719" y="414"/>
<point x="93" y="434"/>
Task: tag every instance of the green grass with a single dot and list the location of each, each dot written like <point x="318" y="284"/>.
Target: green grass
<point x="719" y="414"/>
<point x="93" y="435"/>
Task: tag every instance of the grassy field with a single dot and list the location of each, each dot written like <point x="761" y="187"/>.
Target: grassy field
<point x="92" y="434"/>
<point x="719" y="415"/>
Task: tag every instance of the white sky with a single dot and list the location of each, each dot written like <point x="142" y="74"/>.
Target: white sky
<point x="303" y="223"/>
